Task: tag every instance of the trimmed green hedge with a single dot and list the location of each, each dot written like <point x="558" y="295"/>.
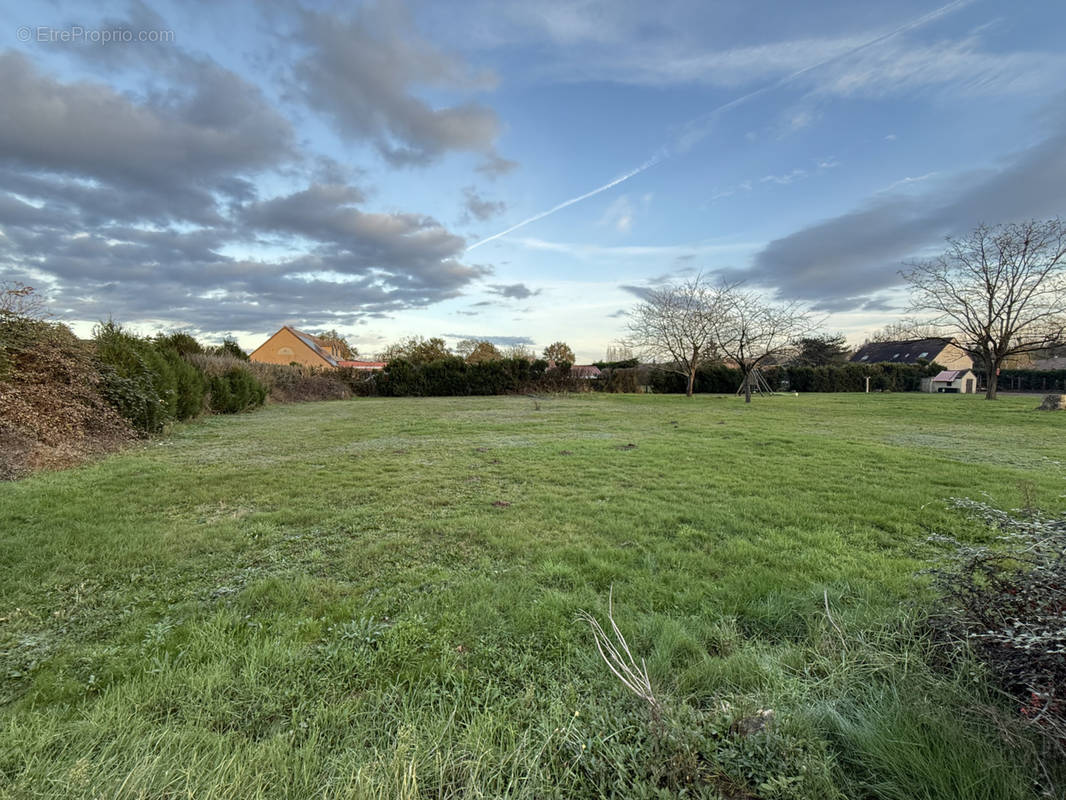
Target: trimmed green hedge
<point x="454" y="377"/>
<point x="720" y="379"/>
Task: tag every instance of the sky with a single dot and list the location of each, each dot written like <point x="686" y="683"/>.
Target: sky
<point x="519" y="172"/>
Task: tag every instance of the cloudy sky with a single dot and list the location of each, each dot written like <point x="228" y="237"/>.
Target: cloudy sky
<point x="512" y="171"/>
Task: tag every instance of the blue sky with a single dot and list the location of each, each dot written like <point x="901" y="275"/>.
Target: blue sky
<point x="250" y="165"/>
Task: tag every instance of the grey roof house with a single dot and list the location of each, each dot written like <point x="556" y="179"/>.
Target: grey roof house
<point x="943" y="351"/>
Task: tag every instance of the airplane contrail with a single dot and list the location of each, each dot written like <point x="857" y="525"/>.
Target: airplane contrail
<point x="651" y="162"/>
<point x="686" y="141"/>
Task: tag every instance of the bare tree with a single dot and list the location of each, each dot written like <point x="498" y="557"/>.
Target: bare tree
<point x="906" y="330"/>
<point x="19" y="300"/>
<point x="520" y="351"/>
<point x="1001" y="289"/>
<point x="672" y="326"/>
<point x="749" y="330"/>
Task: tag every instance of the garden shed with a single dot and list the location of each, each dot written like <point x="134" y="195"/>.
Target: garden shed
<point x="954" y="381"/>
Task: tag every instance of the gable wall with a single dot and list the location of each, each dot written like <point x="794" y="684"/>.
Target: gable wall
<point x="954" y="357"/>
<point x="284" y="347"/>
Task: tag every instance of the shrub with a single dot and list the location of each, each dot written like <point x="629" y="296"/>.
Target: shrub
<point x="1008" y="604"/>
<point x="620" y="379"/>
<point x="236" y="390"/>
<point x="190" y="385"/>
<point x="137" y="379"/>
<point x="180" y="341"/>
<point x="284" y="383"/>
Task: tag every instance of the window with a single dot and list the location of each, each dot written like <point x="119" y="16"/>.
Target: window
<point x="864" y="358"/>
<point x="923" y="355"/>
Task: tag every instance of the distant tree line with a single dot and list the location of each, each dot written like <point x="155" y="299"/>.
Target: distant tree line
<point x="419" y="350"/>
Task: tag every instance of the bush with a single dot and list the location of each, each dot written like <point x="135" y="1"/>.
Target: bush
<point x="284" y="383"/>
<point x="620" y="380"/>
<point x="150" y="382"/>
<point x="137" y="379"/>
<point x="236" y="390"/>
<point x="1008" y="604"/>
<point x="190" y="386"/>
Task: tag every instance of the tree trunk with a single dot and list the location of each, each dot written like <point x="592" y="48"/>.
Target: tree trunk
<point x="993" y="379"/>
<point x="747" y="387"/>
<point x="691" y="381"/>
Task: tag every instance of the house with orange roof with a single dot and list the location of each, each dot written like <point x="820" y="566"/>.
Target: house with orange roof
<point x="291" y="346"/>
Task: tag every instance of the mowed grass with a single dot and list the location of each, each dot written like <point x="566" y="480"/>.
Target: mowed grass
<point x="377" y="598"/>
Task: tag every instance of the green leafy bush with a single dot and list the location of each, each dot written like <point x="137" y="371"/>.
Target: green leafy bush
<point x="138" y="380"/>
<point x="149" y="381"/>
<point x="236" y="390"/>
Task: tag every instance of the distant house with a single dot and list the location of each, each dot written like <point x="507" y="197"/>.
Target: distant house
<point x="369" y="366"/>
<point x="1048" y="364"/>
<point x="941" y="350"/>
<point x="955" y="381"/>
<point x="586" y="372"/>
<point x="289" y="346"/>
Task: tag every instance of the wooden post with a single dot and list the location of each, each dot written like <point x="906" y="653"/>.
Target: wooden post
<point x="867" y="384"/>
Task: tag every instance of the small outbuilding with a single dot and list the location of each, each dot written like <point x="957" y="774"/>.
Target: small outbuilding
<point x="953" y="381"/>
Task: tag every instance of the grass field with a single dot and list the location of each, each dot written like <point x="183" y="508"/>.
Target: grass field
<point x="377" y="598"/>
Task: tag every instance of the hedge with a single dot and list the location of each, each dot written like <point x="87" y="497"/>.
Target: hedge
<point x="720" y="379"/>
<point x="1032" y="380"/>
<point x="454" y="377"/>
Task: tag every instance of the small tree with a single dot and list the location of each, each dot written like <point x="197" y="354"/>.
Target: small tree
<point x="229" y="347"/>
<point x="339" y="344"/>
<point x="750" y="330"/>
<point x="417" y="350"/>
<point x="821" y="350"/>
<point x="673" y="326"/>
<point x="1000" y="289"/>
<point x="559" y="352"/>
<point x="480" y="351"/>
<point x="520" y="351"/>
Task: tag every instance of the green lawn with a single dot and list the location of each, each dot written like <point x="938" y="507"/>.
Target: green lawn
<point x="377" y="598"/>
